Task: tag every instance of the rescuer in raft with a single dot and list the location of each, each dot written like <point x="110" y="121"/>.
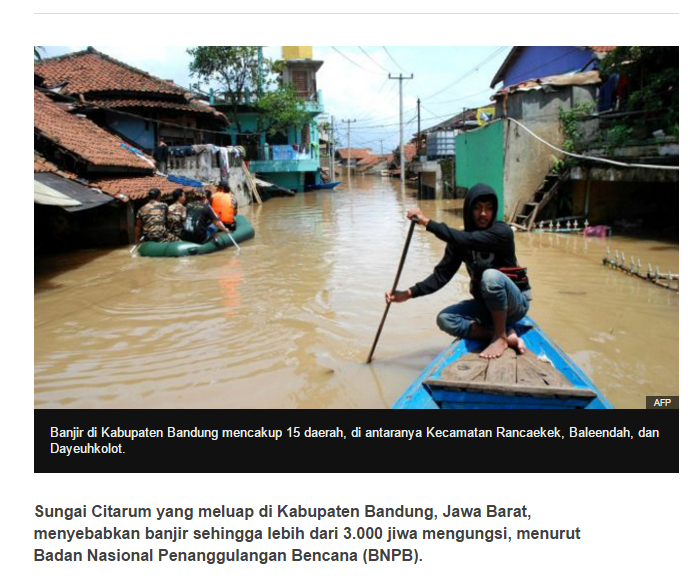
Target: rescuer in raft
<point x="200" y="220"/>
<point x="225" y="205"/>
<point x="151" y="221"/>
<point x="499" y="287"/>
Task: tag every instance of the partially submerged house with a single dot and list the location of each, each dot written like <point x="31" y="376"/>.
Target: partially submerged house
<point x="131" y="103"/>
<point x="87" y="181"/>
<point x="140" y="108"/>
<point x="288" y="157"/>
<point x="350" y="157"/>
<point x="538" y="84"/>
<point x="434" y="164"/>
<point x="375" y="163"/>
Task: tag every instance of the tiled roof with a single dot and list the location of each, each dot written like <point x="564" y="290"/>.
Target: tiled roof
<point x="356" y="153"/>
<point x="192" y="106"/>
<point x="82" y="137"/>
<point x="136" y="188"/>
<point x="371" y="160"/>
<point x="410" y="152"/>
<point x="43" y="165"/>
<point x="91" y="71"/>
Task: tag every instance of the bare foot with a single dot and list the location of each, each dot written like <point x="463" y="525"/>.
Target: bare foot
<point x="496" y="349"/>
<point x="516" y="342"/>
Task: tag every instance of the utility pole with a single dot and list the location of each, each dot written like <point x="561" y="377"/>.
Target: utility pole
<point x="381" y="147"/>
<point x="402" y="126"/>
<point x="332" y="148"/>
<point x="349" y="123"/>
<point x="419" y="145"/>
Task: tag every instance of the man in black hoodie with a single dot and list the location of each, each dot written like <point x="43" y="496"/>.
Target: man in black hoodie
<point x="499" y="287"/>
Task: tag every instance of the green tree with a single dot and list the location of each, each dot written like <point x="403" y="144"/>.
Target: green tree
<point x="281" y="109"/>
<point x="653" y="78"/>
<point x="234" y="71"/>
<point x="37" y="53"/>
<point x="229" y="70"/>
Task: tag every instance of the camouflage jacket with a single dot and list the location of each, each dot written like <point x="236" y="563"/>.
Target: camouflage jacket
<point x="153" y="217"/>
<point x="176" y="216"/>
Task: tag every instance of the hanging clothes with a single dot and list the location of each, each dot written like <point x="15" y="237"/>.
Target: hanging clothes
<point x="224" y="160"/>
<point x="204" y="163"/>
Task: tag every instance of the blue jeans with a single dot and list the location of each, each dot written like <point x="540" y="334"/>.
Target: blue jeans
<point x="212" y="230"/>
<point x="499" y="294"/>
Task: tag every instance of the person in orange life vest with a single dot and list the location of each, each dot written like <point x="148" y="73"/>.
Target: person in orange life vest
<point x="225" y="205"/>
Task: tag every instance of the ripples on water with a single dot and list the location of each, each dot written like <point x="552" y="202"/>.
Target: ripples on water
<point x="289" y="321"/>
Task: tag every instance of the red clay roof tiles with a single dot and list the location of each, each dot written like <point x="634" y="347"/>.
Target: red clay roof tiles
<point x="122" y="103"/>
<point x="357" y="153"/>
<point x="410" y="152"/>
<point x="90" y="71"/>
<point x="371" y="160"/>
<point x="43" y="165"/>
<point x="82" y="137"/>
<point x="136" y="188"/>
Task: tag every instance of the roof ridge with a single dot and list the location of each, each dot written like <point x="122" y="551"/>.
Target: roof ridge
<point x="92" y="51"/>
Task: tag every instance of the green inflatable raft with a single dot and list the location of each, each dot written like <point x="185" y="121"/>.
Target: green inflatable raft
<point x="244" y="231"/>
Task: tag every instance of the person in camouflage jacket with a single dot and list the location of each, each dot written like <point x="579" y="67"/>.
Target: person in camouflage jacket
<point x="150" y="224"/>
<point x="177" y="213"/>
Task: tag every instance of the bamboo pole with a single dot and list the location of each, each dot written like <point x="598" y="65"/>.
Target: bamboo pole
<point x="251" y="183"/>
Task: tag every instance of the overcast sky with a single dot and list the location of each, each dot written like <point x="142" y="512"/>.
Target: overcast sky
<point x="355" y="83"/>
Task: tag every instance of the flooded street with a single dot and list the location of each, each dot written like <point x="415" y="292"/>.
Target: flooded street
<point x="289" y="321"/>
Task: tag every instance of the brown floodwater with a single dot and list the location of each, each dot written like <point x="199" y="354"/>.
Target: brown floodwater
<point x="288" y="322"/>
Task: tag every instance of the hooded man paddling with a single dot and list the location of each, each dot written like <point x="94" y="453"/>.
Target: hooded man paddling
<point x="499" y="287"/>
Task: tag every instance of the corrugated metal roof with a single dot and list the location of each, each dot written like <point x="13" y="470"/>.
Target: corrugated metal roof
<point x="574" y="79"/>
<point x="54" y="190"/>
<point x="515" y="53"/>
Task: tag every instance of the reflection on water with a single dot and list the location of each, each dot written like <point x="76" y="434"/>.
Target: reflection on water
<point x="289" y="321"/>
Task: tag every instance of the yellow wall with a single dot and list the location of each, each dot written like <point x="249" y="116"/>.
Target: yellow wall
<point x="294" y="53"/>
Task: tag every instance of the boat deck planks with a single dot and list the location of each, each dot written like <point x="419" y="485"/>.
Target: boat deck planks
<point x="511" y="374"/>
<point x="459" y="378"/>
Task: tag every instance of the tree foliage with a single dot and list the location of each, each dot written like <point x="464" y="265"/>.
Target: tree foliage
<point x="281" y="109"/>
<point x="231" y="69"/>
<point x="235" y="71"/>
<point x="653" y="78"/>
<point x="37" y="53"/>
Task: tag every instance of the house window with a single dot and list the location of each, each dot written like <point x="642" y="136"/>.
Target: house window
<point x="301" y="83"/>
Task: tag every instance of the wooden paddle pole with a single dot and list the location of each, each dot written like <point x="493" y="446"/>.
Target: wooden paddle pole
<point x="395" y="287"/>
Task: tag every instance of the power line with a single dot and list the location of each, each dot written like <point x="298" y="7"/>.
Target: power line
<point x="457" y="99"/>
<point x="394" y="61"/>
<point x="373" y="60"/>
<point x="354" y="62"/>
<point x="526" y="72"/>
<point x="470" y="72"/>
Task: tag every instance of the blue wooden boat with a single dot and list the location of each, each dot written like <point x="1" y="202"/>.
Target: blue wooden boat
<point x="544" y="378"/>
<point x="328" y="186"/>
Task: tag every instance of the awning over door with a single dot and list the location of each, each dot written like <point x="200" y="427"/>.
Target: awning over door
<point x="53" y="190"/>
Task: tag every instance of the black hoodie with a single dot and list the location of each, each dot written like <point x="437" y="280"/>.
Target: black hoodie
<point x="490" y="248"/>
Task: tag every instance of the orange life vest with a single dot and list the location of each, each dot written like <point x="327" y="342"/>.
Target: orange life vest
<point x="224" y="207"/>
